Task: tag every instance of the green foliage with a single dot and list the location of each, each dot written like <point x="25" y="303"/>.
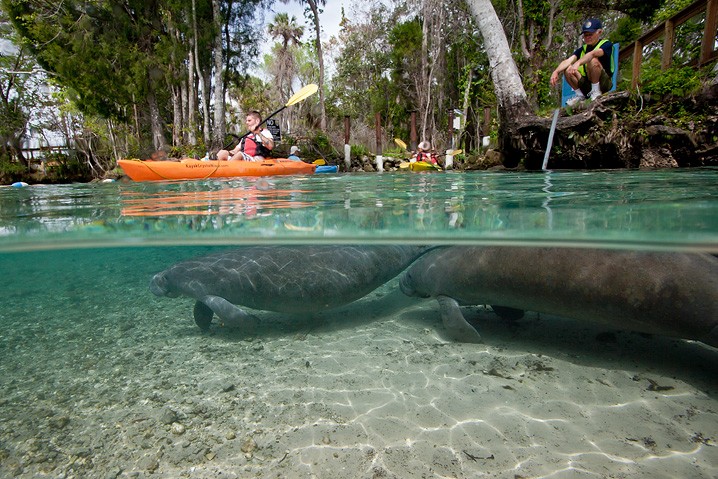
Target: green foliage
<point x="11" y="169"/>
<point x="66" y="168"/>
<point x="252" y="94"/>
<point x="359" y="151"/>
<point x="668" y="9"/>
<point x="641" y="9"/>
<point x="544" y="94"/>
<point x="189" y="151"/>
<point x="357" y="86"/>
<point x="627" y="30"/>
<point x="678" y="81"/>
<point x="320" y="145"/>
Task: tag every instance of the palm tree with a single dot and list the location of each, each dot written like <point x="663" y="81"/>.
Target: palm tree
<point x="290" y="33"/>
<point x="314" y="6"/>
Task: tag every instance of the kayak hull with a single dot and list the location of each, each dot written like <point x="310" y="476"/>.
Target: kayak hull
<point x="419" y="166"/>
<point x="327" y="169"/>
<point x="424" y="166"/>
<point x="190" y="169"/>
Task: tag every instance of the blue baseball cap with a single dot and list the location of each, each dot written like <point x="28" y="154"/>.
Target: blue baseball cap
<point x="591" y="25"/>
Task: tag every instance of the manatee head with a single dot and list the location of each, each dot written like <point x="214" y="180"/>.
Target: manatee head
<point x="409" y="286"/>
<point x="160" y="286"/>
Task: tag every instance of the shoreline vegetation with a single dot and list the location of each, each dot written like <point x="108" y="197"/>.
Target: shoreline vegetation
<point x="108" y="86"/>
<point x="626" y="131"/>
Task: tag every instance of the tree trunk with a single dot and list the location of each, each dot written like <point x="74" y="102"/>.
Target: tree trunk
<point x="510" y="93"/>
<point x="158" y="137"/>
<point x="176" y="115"/>
<point x="320" y="58"/>
<point x="207" y="124"/>
<point x="202" y="78"/>
<point x="173" y="84"/>
<point x="191" y="100"/>
<point x="423" y="88"/>
<point x="220" y="125"/>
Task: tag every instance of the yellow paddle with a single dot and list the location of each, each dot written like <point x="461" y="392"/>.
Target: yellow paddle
<point x="301" y="95"/>
<point x="400" y="143"/>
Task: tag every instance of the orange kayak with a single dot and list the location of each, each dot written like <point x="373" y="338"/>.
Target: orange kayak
<point x="140" y="170"/>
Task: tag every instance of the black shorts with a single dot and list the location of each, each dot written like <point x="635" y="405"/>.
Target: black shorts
<point x="605" y="82"/>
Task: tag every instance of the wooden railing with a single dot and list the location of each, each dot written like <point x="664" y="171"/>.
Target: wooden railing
<point x="667" y="29"/>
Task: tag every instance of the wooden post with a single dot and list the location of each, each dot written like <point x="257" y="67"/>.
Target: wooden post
<point x="450" y="137"/>
<point x="347" y="147"/>
<point x="379" y="158"/>
<point x="412" y="132"/>
<point x="377" y="129"/>
<point x="709" y="33"/>
<point x="668" y="41"/>
<point x="637" y="58"/>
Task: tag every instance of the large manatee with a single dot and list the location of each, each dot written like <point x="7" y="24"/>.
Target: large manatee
<point x="665" y="293"/>
<point x="290" y="279"/>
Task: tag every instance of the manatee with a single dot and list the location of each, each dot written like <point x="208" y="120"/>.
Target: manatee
<point x="288" y="279"/>
<point x="665" y="293"/>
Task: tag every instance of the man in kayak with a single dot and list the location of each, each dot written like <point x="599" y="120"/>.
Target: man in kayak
<point x="256" y="146"/>
<point x="293" y="153"/>
<point x="424" y="153"/>
<point x="589" y="69"/>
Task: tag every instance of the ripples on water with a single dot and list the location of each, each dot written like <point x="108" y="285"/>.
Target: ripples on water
<point x="669" y="208"/>
<point x="102" y="379"/>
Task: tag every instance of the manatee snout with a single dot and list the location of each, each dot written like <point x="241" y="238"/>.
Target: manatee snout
<point x="406" y="284"/>
<point x="159" y="286"/>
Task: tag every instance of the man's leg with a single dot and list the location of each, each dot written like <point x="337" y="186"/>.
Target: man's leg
<point x="574" y="81"/>
<point x="593" y="72"/>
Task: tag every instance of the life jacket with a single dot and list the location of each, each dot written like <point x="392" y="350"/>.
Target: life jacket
<point x="425" y="156"/>
<point x="252" y="147"/>
<point x="582" y="68"/>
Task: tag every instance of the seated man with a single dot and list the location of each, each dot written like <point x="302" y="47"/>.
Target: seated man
<point x="293" y="153"/>
<point x="424" y="153"/>
<point x="589" y="69"/>
<point x="256" y="146"/>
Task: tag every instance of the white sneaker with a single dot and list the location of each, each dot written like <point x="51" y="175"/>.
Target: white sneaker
<point x="572" y="101"/>
<point x="593" y="96"/>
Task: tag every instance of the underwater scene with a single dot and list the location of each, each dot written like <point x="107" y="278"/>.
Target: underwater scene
<point x="397" y="325"/>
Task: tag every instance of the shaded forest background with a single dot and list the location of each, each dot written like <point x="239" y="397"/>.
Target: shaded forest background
<point x="109" y="79"/>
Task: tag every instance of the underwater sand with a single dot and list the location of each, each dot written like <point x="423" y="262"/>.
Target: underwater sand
<point x="100" y="379"/>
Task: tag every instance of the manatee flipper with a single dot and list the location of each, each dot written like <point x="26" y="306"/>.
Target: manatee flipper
<point x="226" y="311"/>
<point x="505" y="312"/>
<point x="203" y="315"/>
<point x="456" y="325"/>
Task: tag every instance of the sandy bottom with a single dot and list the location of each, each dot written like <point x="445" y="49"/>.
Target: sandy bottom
<point x="98" y="378"/>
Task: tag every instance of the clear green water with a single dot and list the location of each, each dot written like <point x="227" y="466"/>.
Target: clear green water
<point x="100" y="378"/>
<point x="673" y="209"/>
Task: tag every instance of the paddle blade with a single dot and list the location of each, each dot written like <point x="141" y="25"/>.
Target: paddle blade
<point x="303" y="94"/>
<point x="400" y="143"/>
<point x="320" y="162"/>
